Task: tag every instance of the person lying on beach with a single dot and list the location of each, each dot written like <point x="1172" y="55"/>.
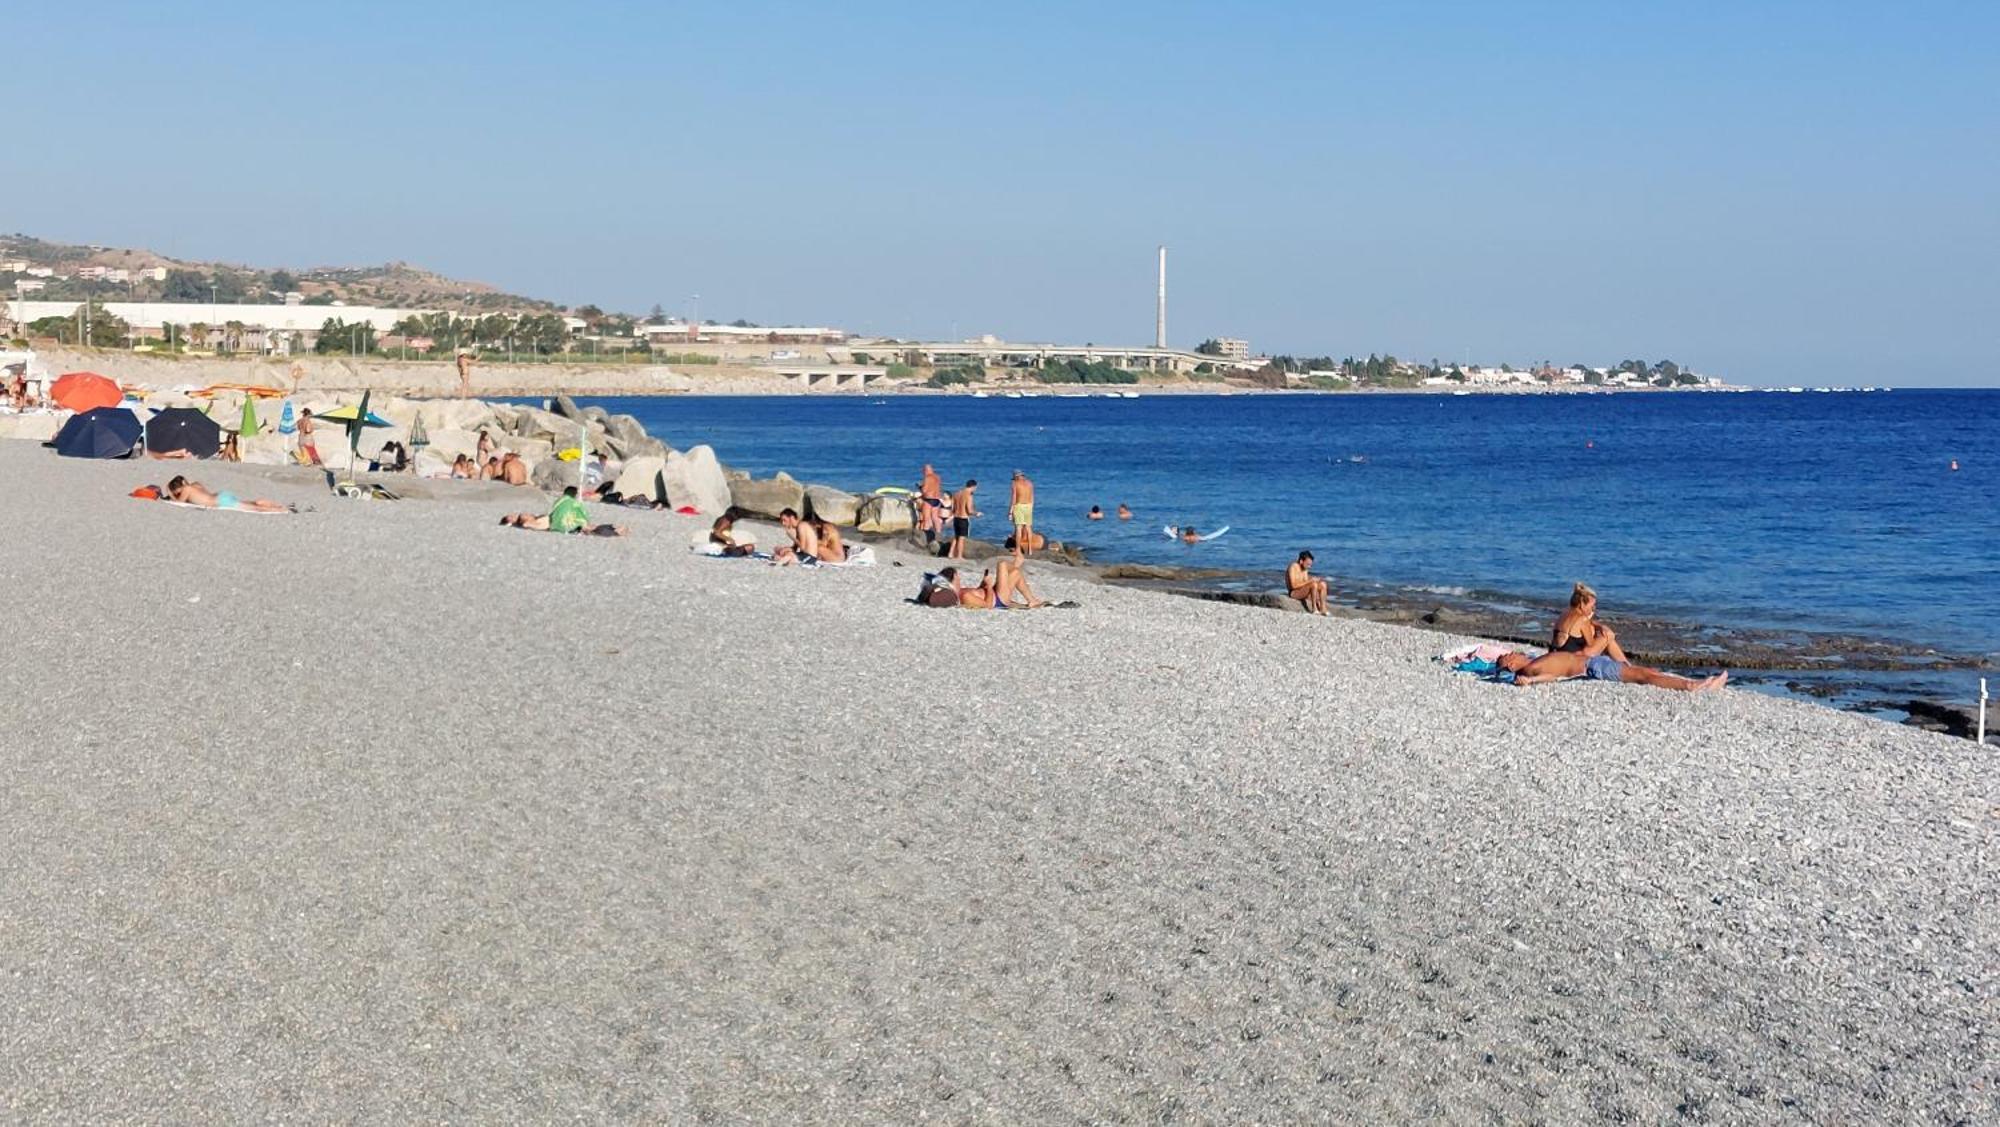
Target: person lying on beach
<point x="1010" y="579"/>
<point x="804" y="548"/>
<point x="1598" y="667"/>
<point x="981" y="597"/>
<point x="722" y="535"/>
<point x="195" y="493"/>
<point x="1095" y="513"/>
<point x="940" y="590"/>
<point x="569" y="515"/>
<point x="1578" y="629"/>
<point x="1302" y="585"/>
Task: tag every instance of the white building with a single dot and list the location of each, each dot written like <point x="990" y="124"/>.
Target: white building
<point x="1233" y="350"/>
<point x="258" y="328"/>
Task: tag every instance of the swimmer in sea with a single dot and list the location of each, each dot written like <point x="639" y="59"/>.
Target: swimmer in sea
<point x="1190" y="535"/>
<point x="1123" y="512"/>
<point x="1095" y="513"/>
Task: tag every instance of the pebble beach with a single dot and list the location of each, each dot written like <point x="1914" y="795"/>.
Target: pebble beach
<point x="383" y="812"/>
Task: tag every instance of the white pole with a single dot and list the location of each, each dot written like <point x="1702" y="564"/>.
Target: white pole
<point x="1982" y="711"/>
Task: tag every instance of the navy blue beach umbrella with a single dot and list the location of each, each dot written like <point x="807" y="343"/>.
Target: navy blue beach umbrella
<point x="183" y="428"/>
<point x="103" y="432"/>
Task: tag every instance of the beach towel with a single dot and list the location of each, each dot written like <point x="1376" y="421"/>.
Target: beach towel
<point x="219" y="509"/>
<point x="861" y="556"/>
<point x="1482" y="660"/>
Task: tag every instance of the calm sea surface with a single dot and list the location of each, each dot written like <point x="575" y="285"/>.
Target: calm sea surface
<point x="1822" y="511"/>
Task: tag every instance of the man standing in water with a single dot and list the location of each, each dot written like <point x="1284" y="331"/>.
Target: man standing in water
<point x="1021" y="510"/>
<point x="962" y="513"/>
<point x="1304" y="586"/>
<point x="930" y="504"/>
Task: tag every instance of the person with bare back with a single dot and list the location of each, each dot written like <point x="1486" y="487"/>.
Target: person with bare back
<point x="465" y="375"/>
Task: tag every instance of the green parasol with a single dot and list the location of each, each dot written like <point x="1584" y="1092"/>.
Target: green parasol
<point x="249" y="426"/>
<point x="419" y="437"/>
<point x="355" y="419"/>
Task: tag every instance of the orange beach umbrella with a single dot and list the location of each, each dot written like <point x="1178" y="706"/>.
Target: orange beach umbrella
<point x="85" y="391"/>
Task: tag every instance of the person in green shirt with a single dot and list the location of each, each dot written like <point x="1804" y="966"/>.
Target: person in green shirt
<point x="568" y="515"/>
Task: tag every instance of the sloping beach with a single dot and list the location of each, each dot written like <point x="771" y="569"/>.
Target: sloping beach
<point x="384" y="812"/>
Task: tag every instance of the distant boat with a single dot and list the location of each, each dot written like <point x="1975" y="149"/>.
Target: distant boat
<point x="1128" y="395"/>
<point x="980" y="395"/>
<point x="1013" y="395"/>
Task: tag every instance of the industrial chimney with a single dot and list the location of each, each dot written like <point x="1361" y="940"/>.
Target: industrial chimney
<point x="1160" y="317"/>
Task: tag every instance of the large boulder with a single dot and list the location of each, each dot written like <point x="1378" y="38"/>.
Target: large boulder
<point x="532" y="449"/>
<point x="449" y="443"/>
<point x="643" y="477"/>
<point x="532" y="422"/>
<point x="624" y="428"/>
<point x="552" y="475"/>
<point x="564" y="406"/>
<point x="885" y="512"/>
<point x="695" y="478"/>
<point x="36" y="427"/>
<point x="427" y="463"/>
<point x="643" y="448"/>
<point x="766" y="498"/>
<point x="834" y="506"/>
<point x="266" y="449"/>
<point x="458" y="414"/>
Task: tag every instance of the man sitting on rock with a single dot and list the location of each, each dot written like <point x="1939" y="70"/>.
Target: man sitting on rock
<point x="1302" y="585"/>
<point x="513" y="470"/>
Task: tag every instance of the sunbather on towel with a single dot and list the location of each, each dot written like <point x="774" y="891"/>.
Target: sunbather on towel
<point x="195" y="493"/>
<point x="1595" y="665"/>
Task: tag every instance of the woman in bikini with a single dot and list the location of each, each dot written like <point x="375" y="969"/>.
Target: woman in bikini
<point x="1578" y="629"/>
<point x="831" y="550"/>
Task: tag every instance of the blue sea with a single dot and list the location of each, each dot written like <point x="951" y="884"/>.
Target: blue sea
<point x="1816" y="511"/>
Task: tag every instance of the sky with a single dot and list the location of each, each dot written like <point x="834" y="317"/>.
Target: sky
<point x="1775" y="193"/>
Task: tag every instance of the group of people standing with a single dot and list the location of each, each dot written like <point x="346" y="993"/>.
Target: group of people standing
<point x="933" y="509"/>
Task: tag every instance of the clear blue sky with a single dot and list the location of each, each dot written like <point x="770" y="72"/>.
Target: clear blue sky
<point x="1775" y="192"/>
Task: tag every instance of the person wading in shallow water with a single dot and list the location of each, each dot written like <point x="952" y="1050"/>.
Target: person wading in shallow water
<point x="930" y="504"/>
<point x="962" y="513"/>
<point x="1021" y="511"/>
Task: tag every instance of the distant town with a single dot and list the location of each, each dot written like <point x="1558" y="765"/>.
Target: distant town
<point x="105" y="298"/>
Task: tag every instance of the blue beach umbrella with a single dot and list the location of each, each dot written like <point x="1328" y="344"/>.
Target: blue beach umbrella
<point x="102" y="432"/>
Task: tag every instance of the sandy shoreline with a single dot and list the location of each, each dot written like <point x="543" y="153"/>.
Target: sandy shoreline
<point x="384" y="812"/>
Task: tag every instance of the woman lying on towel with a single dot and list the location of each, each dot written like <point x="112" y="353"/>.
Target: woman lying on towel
<point x="195" y="493"/>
